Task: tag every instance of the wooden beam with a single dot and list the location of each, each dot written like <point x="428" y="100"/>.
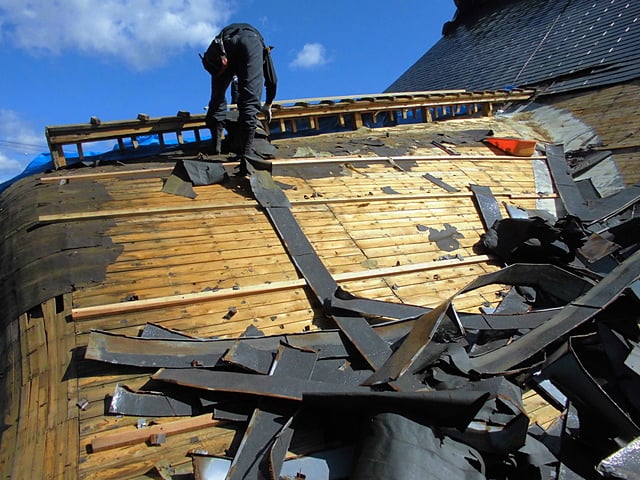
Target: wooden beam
<point x="416" y="158"/>
<point x="99" y="175"/>
<point x="132" y="212"/>
<point x="131" y="437"/>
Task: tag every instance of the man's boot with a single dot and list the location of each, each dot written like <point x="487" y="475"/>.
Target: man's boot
<point x="247" y="154"/>
<point x="216" y="137"/>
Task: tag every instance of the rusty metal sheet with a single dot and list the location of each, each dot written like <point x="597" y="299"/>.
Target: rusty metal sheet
<point x="513" y="321"/>
<point x="566" y="187"/>
<point x="326" y="343"/>
<point x="553" y="280"/>
<point x="417" y="340"/>
<point x="373" y="349"/>
<point x="607" y="207"/>
<point x="153" y="330"/>
<point x="581" y="310"/>
<point x="500" y="320"/>
<point x="597" y="247"/>
<point x="152" y="404"/>
<point x="243" y="355"/>
<point x="487" y="205"/>
<point x="413" y="379"/>
<point x="175" y="353"/>
<point x="346" y="301"/>
<point x="249" y="384"/>
<point x="294" y="362"/>
<point x="570" y="376"/>
<point x="338" y="370"/>
<point x="169" y="353"/>
<point x="264" y="425"/>
<point x="269" y="421"/>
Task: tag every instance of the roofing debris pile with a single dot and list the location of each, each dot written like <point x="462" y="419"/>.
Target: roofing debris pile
<point x="421" y="392"/>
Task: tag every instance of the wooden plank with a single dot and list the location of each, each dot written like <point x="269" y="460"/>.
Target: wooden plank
<point x="300" y="161"/>
<point x="140" y="211"/>
<point x="11" y="383"/>
<point x="130" y="437"/>
<point x="71" y="463"/>
<point x="368" y="95"/>
<point x="146" y="211"/>
<point x="39" y="463"/>
<point x="98" y="175"/>
<point x="152" y="303"/>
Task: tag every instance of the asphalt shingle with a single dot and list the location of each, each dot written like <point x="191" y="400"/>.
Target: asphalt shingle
<point x="552" y="45"/>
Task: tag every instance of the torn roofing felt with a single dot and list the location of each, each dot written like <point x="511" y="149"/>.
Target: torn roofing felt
<point x="553" y="45"/>
<point x="44" y="260"/>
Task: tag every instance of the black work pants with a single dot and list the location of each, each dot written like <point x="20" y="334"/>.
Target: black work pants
<point x="245" y="56"/>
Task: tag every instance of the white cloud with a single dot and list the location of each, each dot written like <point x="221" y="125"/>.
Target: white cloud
<point x="19" y="144"/>
<point x="311" y="55"/>
<point x="9" y="167"/>
<point x="143" y="33"/>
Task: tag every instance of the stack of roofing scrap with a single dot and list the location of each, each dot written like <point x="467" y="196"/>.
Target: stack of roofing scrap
<point x="413" y="392"/>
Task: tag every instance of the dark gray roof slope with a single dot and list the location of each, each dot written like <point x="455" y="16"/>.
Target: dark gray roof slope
<point x="554" y="45"/>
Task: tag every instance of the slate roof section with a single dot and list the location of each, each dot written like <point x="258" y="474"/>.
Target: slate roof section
<point x="553" y="45"/>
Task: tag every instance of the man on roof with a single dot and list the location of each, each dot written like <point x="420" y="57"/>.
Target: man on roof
<point x="239" y="50"/>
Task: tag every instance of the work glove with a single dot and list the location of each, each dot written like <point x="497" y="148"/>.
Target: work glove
<point x="266" y="110"/>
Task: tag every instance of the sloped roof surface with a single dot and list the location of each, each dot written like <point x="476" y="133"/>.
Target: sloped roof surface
<point x="113" y="271"/>
<point x="553" y="45"/>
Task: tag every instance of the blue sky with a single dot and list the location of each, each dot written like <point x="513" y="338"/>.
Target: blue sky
<point x="64" y="61"/>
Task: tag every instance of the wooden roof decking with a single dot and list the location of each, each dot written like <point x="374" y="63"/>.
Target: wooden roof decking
<point x="185" y="263"/>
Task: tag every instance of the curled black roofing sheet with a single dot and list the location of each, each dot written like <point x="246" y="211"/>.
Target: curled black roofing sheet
<point x="554" y="45"/>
